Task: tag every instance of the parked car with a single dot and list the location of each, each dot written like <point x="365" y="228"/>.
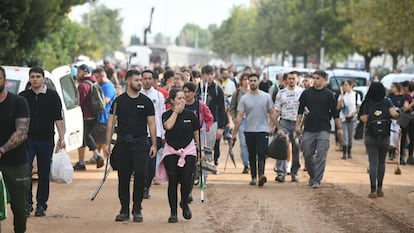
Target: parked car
<point x="60" y="80"/>
<point x="388" y="79"/>
<point x="273" y="71"/>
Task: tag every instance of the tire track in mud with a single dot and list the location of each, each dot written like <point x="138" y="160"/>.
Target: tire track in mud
<point x="356" y="214"/>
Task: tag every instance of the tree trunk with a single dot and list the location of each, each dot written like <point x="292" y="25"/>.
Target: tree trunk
<point x="283" y="56"/>
<point x="367" y="61"/>
<point x="294" y="60"/>
<point x="305" y="60"/>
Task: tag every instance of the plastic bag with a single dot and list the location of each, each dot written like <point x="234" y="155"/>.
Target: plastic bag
<point x="3" y="198"/>
<point x="61" y="170"/>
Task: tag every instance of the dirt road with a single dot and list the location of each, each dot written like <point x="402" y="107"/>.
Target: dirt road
<point x="232" y="205"/>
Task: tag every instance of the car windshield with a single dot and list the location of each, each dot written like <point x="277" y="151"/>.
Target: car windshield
<point x="337" y="81"/>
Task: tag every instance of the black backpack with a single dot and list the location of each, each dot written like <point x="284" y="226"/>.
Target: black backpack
<point x="379" y="119"/>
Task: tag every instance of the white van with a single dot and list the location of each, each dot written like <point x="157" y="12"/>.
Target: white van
<point x="388" y="79"/>
<point x="336" y="77"/>
<point x="60" y="80"/>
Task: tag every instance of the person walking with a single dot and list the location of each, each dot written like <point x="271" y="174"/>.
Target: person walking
<point x="89" y="120"/>
<point x="180" y="155"/>
<point x="99" y="131"/>
<point x="199" y="109"/>
<point x="321" y="104"/>
<point x="212" y="94"/>
<point x="256" y="105"/>
<point x="286" y="106"/>
<point x="14" y="126"/>
<point x="134" y="112"/>
<point x="45" y="112"/>
<point x="348" y="105"/>
<point x="241" y="90"/>
<point x="376" y="112"/>
<point x="159" y="107"/>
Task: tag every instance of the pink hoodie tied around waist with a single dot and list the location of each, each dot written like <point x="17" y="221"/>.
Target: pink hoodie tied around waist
<point x="189" y="150"/>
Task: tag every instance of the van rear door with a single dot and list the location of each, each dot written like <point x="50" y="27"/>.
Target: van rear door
<point x="72" y="113"/>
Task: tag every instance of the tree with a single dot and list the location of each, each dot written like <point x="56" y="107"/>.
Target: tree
<point x="25" y="22"/>
<point x="193" y="35"/>
<point x="64" y="45"/>
<point x="106" y="25"/>
<point x="237" y="34"/>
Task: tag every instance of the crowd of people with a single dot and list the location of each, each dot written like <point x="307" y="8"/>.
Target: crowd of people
<point x="168" y="120"/>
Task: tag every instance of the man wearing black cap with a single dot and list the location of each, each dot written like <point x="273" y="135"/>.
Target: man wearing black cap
<point x="89" y="121"/>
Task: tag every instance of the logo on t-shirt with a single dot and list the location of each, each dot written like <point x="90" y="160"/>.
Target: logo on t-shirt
<point x="187" y="121"/>
<point x="140" y="106"/>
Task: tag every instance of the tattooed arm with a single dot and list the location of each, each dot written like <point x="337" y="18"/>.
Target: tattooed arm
<point x="22" y="128"/>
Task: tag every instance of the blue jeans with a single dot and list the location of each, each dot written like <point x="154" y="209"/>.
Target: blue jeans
<point x="243" y="146"/>
<point x="348" y="132"/>
<point x="315" y="147"/>
<point x="43" y="150"/>
<point x="257" y="145"/>
<point x="288" y="128"/>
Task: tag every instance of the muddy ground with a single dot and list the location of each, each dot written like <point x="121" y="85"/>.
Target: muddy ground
<point x="232" y="205"/>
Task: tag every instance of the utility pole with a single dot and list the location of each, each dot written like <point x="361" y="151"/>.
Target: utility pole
<point x="148" y="29"/>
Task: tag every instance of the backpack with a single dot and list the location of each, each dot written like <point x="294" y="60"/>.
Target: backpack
<point x="97" y="98"/>
<point x="379" y="123"/>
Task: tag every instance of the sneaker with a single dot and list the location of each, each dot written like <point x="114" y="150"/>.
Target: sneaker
<point x="146" y="194"/>
<point x="380" y="193"/>
<point x="99" y="161"/>
<point x="29" y="210"/>
<point x="295" y="178"/>
<point x="40" y="212"/>
<point x="122" y="217"/>
<point x="262" y="180"/>
<point x="373" y="195"/>
<point x="245" y="170"/>
<point x="280" y="179"/>
<point x="316" y="185"/>
<point x="253" y="182"/>
<point x="79" y="167"/>
<point x="91" y="161"/>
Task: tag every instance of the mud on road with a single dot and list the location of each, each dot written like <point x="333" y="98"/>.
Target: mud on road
<point x="232" y="205"/>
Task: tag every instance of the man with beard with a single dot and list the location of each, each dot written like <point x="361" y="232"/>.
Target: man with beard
<point x="14" y="126"/>
<point x="133" y="113"/>
<point x="256" y="105"/>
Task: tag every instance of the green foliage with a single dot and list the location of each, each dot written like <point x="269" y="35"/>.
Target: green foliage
<point x="106" y="25"/>
<point x="237" y="34"/>
<point x="25" y="22"/>
<point x="192" y="35"/>
<point x="62" y="46"/>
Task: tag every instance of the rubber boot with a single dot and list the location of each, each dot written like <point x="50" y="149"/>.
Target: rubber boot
<point x="344" y="152"/>
<point x="349" y="152"/>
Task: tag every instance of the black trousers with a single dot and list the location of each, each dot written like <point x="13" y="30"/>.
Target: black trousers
<point x="257" y="145"/>
<point x="182" y="175"/>
<point x="18" y="180"/>
<point x="132" y="158"/>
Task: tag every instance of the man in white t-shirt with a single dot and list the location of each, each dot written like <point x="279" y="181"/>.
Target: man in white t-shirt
<point x="286" y="106"/>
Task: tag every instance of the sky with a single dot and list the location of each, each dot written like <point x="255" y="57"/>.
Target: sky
<point x="169" y="16"/>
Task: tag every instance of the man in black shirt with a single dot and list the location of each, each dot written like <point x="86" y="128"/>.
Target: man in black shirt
<point x="134" y="112"/>
<point x="45" y="111"/>
<point x="14" y="125"/>
<point x="212" y="94"/>
<point x="315" y="141"/>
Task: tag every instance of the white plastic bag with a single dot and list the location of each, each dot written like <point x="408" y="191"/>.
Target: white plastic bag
<point x="61" y="170"/>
